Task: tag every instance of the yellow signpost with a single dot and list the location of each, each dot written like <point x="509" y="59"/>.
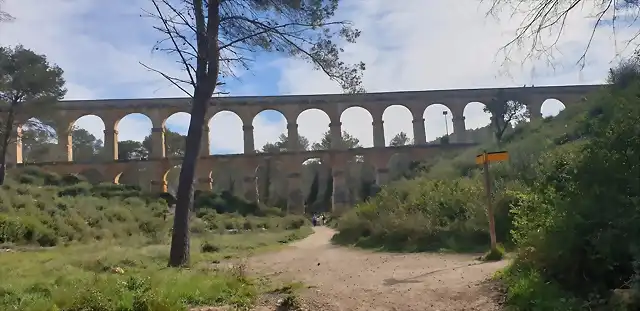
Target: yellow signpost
<point x="485" y="158"/>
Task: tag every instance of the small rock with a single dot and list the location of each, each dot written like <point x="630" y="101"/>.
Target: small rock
<point x="117" y="270"/>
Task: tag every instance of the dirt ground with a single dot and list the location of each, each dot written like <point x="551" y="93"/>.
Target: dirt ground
<point x="341" y="279"/>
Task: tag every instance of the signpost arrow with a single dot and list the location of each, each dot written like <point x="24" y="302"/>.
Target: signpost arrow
<point x="485" y="158"/>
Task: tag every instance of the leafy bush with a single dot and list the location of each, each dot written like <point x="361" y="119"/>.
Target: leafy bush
<point x="212" y="221"/>
<point x="579" y="225"/>
<point x="494" y="254"/>
<point x="421" y="215"/>
<point x="225" y="202"/>
<point x="49" y="209"/>
<point x="49" y="215"/>
<point x="208" y="247"/>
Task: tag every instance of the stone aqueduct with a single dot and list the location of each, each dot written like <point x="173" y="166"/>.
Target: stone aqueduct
<point x="158" y="110"/>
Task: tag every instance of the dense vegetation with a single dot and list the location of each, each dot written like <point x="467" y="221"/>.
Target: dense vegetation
<point x="567" y="201"/>
<point x="107" y="245"/>
<point x="43" y="208"/>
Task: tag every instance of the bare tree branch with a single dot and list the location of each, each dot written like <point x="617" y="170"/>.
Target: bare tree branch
<point x="300" y="28"/>
<point x="544" y="22"/>
<point x="175" y="81"/>
<point x="4" y="16"/>
<point x="171" y="31"/>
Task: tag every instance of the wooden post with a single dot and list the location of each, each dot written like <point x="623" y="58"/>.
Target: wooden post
<point x="487" y="186"/>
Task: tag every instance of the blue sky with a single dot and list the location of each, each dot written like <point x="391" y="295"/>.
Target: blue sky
<point x="407" y="45"/>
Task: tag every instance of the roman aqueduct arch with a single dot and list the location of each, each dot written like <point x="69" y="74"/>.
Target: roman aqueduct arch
<point x="65" y="113"/>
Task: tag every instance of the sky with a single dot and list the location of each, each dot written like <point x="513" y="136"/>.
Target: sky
<point x="406" y="45"/>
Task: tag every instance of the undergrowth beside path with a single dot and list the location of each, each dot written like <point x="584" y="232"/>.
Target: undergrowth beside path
<point x="133" y="275"/>
<point x="66" y="244"/>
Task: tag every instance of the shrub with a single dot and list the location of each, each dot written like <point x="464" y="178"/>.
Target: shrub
<point x="225" y="202"/>
<point x="208" y="247"/>
<point x="82" y="189"/>
<point x="50" y="209"/>
<point x="420" y="215"/>
<point x="11" y="229"/>
<point x="494" y="254"/>
<point x="578" y="228"/>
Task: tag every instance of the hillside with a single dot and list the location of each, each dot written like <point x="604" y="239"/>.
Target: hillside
<point x="526" y="143"/>
<point x="566" y="203"/>
<point x="441" y="181"/>
<point x="70" y="245"/>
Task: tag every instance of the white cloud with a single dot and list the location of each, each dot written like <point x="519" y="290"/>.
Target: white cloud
<point x="94" y="67"/>
<point x="407" y="45"/>
<point x="412" y="45"/>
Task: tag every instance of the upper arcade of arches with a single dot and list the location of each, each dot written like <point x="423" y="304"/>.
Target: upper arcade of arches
<point x="247" y="107"/>
<point x="65" y="113"/>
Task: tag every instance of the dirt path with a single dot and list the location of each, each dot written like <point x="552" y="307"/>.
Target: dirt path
<point x="348" y="279"/>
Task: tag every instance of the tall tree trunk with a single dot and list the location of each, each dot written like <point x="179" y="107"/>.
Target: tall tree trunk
<point x="207" y="68"/>
<point x="179" y="254"/>
<point x="6" y="137"/>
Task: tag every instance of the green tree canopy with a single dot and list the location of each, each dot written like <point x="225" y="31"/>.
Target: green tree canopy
<point x="401" y="139"/>
<point x="36" y="145"/>
<point x="131" y="150"/>
<point x="283" y="144"/>
<point x="28" y="83"/>
<point x="270" y="148"/>
<point x="175" y="144"/>
<point x="347" y="140"/>
<point x="86" y="147"/>
<point x="505" y="112"/>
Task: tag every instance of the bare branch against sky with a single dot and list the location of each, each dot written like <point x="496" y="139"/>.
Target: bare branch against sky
<point x="298" y="28"/>
<point x="4" y="16"/>
<point x="544" y="22"/>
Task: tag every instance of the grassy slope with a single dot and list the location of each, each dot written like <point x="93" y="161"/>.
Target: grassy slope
<point x="407" y="215"/>
<point x="525" y="144"/>
<point x="118" y="276"/>
<point x="85" y="252"/>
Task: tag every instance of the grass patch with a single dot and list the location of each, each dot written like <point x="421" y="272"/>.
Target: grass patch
<point x="496" y="254"/>
<point x="132" y="275"/>
<point x="69" y="245"/>
<point x="526" y="290"/>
